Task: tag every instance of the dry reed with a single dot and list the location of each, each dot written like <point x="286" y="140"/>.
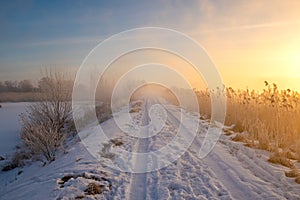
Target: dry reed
<point x="271" y="117"/>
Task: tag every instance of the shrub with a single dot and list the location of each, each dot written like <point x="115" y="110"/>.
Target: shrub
<point x="47" y="121"/>
<point x="41" y="138"/>
<point x="18" y="160"/>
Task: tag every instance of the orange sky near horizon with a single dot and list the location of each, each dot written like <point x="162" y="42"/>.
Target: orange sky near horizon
<point x="254" y="42"/>
<point x="249" y="42"/>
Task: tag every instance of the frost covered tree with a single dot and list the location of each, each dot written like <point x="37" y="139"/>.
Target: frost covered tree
<point x="46" y="122"/>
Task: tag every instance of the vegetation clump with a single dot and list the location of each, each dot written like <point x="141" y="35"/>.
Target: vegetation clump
<point x="93" y="189"/>
<point x="270" y="118"/>
<point x="47" y="122"/>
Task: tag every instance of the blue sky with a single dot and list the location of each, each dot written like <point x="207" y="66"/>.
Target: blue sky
<point x="37" y="34"/>
<point x="242" y="37"/>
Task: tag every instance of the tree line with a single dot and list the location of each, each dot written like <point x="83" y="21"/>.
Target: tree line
<point x="17" y="86"/>
<point x="23" y="85"/>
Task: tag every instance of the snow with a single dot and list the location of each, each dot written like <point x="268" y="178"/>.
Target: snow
<point x="10" y="126"/>
<point x="230" y="171"/>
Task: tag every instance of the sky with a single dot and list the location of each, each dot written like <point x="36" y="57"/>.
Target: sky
<point x="249" y="41"/>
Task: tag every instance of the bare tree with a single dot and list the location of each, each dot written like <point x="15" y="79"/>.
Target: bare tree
<point x="46" y="122"/>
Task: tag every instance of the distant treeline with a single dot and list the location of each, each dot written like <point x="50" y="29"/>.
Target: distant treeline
<point x="18" y="86"/>
<point x="25" y="90"/>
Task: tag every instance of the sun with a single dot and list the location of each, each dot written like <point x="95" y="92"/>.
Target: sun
<point x="291" y="59"/>
<point x="295" y="64"/>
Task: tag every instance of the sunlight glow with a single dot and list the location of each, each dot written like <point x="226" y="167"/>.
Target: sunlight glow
<point x="294" y="58"/>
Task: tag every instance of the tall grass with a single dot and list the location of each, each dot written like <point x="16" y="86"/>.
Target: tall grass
<point x="270" y="118"/>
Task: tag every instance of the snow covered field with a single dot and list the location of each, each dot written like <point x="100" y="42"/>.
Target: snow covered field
<point x="10" y="126"/>
<point x="230" y="171"/>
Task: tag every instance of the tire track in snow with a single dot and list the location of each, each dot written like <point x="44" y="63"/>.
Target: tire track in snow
<point x="201" y="181"/>
<point x="138" y="183"/>
<point x="266" y="176"/>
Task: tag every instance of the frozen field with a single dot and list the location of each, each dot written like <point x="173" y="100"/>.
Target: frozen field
<point x="10" y="126"/>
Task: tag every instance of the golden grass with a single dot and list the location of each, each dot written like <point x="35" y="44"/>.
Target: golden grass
<point x="293" y="173"/>
<point x="271" y="118"/>
<point x="278" y="158"/>
<point x="240" y="137"/>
